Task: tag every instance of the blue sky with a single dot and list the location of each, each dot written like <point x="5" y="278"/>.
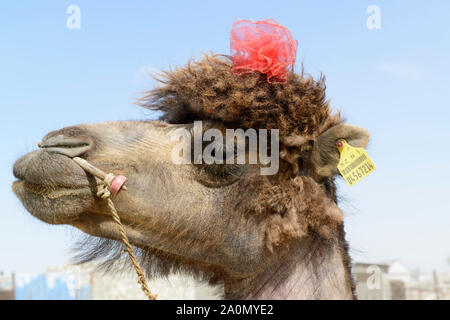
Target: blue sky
<point x="392" y="81"/>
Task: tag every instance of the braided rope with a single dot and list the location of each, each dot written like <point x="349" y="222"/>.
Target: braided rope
<point x="104" y="193"/>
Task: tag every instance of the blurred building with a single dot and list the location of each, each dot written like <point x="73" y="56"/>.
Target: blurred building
<point x="86" y="282"/>
<point x="7" y="286"/>
<point x="430" y="286"/>
<point x="60" y="283"/>
<point x="371" y="280"/>
<point x="394" y="281"/>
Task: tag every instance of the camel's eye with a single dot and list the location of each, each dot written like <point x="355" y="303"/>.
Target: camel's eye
<point x="214" y="171"/>
<point x="219" y="175"/>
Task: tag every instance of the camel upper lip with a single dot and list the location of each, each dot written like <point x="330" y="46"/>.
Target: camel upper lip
<point x="42" y="168"/>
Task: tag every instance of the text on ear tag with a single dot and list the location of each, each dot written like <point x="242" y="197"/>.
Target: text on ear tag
<point x="354" y="163"/>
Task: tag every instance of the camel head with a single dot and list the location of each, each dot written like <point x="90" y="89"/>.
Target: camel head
<point x="227" y="221"/>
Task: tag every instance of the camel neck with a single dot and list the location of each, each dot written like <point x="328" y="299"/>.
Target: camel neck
<point x="316" y="269"/>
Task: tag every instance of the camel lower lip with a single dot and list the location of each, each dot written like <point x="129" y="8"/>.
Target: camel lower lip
<point x="54" y="205"/>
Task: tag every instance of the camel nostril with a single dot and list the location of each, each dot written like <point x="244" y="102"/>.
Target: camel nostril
<point x="68" y="146"/>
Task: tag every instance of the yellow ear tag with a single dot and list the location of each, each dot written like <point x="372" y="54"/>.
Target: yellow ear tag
<point x="354" y="163"/>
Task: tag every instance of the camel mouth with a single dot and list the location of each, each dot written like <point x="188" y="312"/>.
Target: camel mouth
<point x="52" y="187"/>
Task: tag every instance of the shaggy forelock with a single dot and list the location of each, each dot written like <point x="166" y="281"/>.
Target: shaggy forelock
<point x="209" y="90"/>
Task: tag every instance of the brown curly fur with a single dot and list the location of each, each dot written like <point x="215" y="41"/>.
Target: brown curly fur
<point x="209" y="90"/>
<point x="290" y="208"/>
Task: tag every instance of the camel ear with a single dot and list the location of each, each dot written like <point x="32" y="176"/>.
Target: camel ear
<point x="325" y="155"/>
